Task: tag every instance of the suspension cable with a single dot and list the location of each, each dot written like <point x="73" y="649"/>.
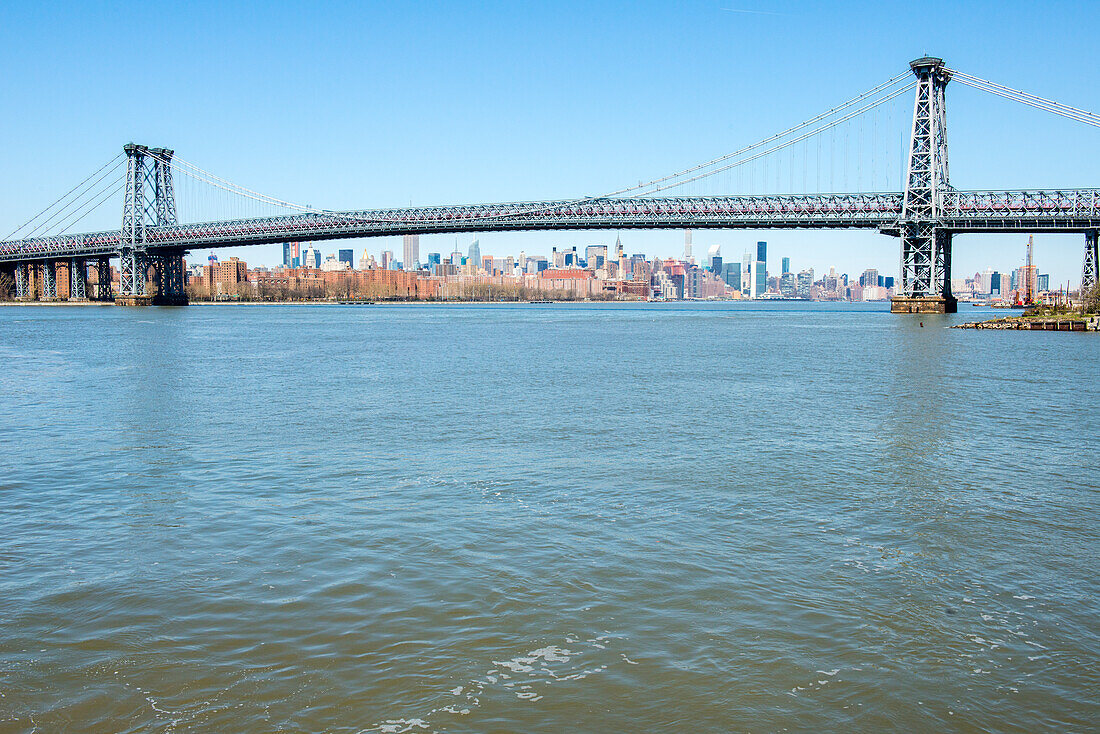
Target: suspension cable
<point x="1073" y="113"/>
<point x="44" y="227"/>
<point x="62" y="198"/>
<point x="765" y="141"/>
<point x="212" y="179"/>
<point x="793" y="141"/>
<point x="104" y="194"/>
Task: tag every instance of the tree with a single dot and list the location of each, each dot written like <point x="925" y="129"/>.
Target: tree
<point x="1090" y="299"/>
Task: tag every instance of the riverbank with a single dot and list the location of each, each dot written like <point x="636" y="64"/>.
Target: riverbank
<point x="1038" y="323"/>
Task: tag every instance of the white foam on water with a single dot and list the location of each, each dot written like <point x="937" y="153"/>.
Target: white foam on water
<point x="399" y="726"/>
<point x="526" y="674"/>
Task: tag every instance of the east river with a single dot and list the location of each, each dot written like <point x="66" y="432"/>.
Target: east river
<point x="545" y="518"/>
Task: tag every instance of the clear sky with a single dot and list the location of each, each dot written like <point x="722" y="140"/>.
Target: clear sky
<point x="356" y="105"/>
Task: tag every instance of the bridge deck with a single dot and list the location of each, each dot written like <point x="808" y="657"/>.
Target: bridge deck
<point x="1069" y="210"/>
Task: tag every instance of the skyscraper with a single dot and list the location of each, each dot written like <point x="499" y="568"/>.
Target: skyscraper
<point x="760" y="270"/>
<point x="474" y="255"/>
<point x="805" y="282"/>
<point x="687" y="244"/>
<point x="291" y="256"/>
<point x="732" y="274"/>
<point x="714" y="259"/>
<point x="311" y="258"/>
<point x="347" y="256"/>
<point x="786" y="265"/>
<point x="595" y="256"/>
<point x="412" y="251"/>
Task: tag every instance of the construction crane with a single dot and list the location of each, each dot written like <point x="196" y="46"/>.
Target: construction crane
<point x="1029" y="297"/>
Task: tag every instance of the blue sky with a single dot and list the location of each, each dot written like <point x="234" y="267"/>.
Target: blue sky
<point x="352" y="105"/>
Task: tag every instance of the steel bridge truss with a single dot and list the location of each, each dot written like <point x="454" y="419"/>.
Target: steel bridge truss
<point x="1063" y="210"/>
<point x="924" y="217"/>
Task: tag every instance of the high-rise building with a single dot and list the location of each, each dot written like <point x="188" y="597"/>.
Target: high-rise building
<point x="474" y="255"/>
<point x="786" y="265"/>
<point x="311" y="258"/>
<point x="760" y="270"/>
<point x="714" y="259"/>
<point x="595" y="256"/>
<point x="687" y="244"/>
<point x="347" y="256"/>
<point x="788" y="285"/>
<point x="1043" y="282"/>
<point x="411" y="251"/>
<point x="805" y="282"/>
<point x="732" y="275"/>
<point x="869" y="277"/>
<point x="1026" y="281"/>
<point x="291" y="255"/>
<point x="387" y="259"/>
<point x="433" y="259"/>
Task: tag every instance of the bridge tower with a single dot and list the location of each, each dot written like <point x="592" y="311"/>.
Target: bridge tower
<point x="1090" y="274"/>
<point x="925" y="245"/>
<point x="150" y="201"/>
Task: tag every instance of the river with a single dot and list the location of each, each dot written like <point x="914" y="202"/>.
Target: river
<point x="545" y="518"/>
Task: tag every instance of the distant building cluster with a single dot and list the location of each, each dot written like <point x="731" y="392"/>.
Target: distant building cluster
<point x="596" y="271"/>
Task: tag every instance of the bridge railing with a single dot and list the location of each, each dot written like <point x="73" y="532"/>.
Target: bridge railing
<point x="1052" y="210"/>
<point x="1025" y="208"/>
<point x="61" y="246"/>
<point x="833" y="210"/>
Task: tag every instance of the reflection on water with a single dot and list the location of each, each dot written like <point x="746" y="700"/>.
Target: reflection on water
<point x="544" y="518"/>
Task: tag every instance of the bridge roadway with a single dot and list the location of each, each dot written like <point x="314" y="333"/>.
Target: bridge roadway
<point x="1066" y="210"/>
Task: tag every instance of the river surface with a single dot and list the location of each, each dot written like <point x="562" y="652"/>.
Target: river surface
<point x="545" y="518"/>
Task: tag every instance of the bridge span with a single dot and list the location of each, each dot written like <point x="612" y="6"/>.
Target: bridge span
<point x="924" y="217"/>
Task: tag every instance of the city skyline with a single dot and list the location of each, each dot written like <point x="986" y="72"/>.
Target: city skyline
<point x="465" y="145"/>
<point x="512" y="244"/>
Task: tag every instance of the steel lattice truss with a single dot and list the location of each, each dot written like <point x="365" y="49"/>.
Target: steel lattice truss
<point x="1069" y="210"/>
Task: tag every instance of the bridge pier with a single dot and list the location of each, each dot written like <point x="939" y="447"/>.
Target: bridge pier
<point x="78" y="279"/>
<point x="103" y="280"/>
<point x="49" y="280"/>
<point x="23" y="284"/>
<point x="133" y="268"/>
<point x="169" y="278"/>
<point x="1090" y="273"/>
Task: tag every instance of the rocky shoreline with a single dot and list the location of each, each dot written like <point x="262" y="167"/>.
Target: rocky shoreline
<point x="1033" y="323"/>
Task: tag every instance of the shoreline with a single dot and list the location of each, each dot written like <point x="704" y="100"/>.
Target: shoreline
<point x="1066" y="322"/>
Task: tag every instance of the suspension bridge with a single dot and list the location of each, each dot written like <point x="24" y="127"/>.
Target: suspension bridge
<point x="923" y="215"/>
